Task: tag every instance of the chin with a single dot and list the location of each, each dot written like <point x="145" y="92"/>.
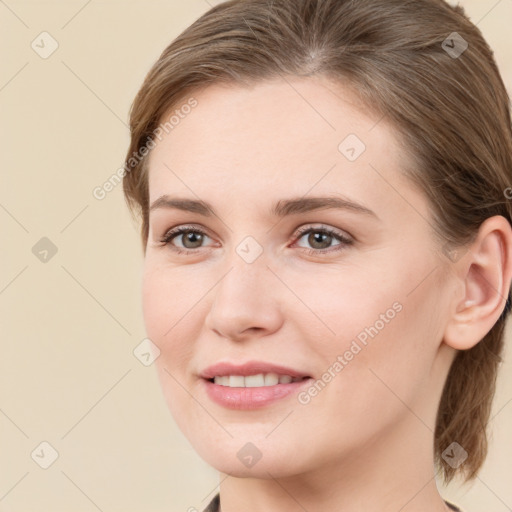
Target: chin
<point x="273" y="467"/>
<point x="248" y="456"/>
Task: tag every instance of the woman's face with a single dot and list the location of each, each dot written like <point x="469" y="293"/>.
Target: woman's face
<point x="347" y="293"/>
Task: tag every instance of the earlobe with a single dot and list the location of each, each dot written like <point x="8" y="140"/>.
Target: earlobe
<point x="485" y="274"/>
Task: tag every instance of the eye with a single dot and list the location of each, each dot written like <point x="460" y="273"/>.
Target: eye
<point x="190" y="238"/>
<point x="186" y="239"/>
<point x="322" y="238"/>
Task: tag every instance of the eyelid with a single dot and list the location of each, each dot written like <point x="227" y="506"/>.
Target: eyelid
<point x="344" y="241"/>
<point x="178" y="230"/>
<point x="340" y="234"/>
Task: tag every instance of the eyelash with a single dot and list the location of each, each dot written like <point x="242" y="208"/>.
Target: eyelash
<point x="344" y="240"/>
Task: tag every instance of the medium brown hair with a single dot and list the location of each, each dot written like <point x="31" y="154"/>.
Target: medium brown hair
<point x="451" y="111"/>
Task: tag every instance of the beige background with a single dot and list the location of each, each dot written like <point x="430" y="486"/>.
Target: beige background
<point x="68" y="375"/>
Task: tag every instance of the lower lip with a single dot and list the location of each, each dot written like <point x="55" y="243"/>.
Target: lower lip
<point x="252" y="398"/>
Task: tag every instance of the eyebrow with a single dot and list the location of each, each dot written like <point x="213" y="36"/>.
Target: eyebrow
<point x="281" y="208"/>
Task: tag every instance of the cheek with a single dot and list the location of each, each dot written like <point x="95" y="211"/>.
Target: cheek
<point x="335" y="305"/>
<point x="401" y="335"/>
<point x="165" y="305"/>
<point x="377" y="324"/>
<point x="166" y="297"/>
<point x="156" y="305"/>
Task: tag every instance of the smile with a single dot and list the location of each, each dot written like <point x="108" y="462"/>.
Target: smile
<point x="254" y="381"/>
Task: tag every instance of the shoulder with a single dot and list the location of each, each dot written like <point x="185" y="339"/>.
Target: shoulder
<point x="451" y="506"/>
<point x="213" y="506"/>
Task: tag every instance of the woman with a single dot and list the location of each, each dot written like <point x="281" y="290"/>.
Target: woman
<point x="327" y="238"/>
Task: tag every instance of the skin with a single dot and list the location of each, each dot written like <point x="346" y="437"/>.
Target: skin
<point x="365" y="441"/>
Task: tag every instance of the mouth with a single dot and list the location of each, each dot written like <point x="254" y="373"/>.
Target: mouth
<point x="256" y="380"/>
<point x="251" y="374"/>
<point x="246" y="392"/>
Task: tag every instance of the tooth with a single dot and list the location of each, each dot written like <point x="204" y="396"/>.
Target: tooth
<point x="236" y="381"/>
<point x="271" y="379"/>
<point x="254" y="381"/>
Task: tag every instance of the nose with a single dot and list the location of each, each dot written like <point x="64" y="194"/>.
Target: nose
<point x="246" y="302"/>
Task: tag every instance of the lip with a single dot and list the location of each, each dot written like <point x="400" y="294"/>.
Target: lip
<point x="252" y="397"/>
<point x="249" y="368"/>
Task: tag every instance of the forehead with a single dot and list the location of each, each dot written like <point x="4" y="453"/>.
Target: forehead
<point x="293" y="133"/>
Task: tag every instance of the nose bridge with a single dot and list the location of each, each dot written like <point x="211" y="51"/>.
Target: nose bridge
<point x="247" y="270"/>
<point x="244" y="284"/>
<point x="244" y="298"/>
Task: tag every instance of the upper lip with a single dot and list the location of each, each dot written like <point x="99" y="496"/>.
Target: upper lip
<point x="248" y="368"/>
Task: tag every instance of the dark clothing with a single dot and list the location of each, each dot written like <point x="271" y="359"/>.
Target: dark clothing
<point x="213" y="506"/>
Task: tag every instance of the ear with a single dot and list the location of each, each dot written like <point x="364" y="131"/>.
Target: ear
<point x="484" y="274"/>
